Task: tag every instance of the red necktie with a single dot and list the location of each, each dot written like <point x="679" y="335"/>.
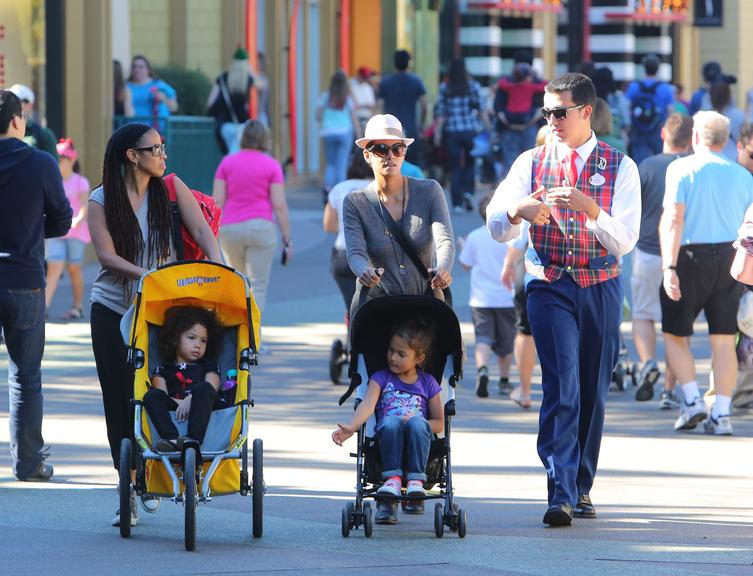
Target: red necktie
<point x="573" y="168"/>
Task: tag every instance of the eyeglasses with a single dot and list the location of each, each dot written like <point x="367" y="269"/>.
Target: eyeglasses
<point x="381" y="150"/>
<point x="560" y="112"/>
<point x="157" y="150"/>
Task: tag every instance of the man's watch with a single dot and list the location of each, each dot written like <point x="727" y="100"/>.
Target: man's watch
<point x="669" y="268"/>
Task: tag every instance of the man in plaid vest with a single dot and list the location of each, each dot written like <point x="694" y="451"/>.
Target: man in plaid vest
<point x="583" y="200"/>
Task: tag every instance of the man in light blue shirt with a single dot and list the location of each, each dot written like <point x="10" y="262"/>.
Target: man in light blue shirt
<point x="705" y="199"/>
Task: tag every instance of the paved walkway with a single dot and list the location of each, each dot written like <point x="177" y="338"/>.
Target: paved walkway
<point x="668" y="503"/>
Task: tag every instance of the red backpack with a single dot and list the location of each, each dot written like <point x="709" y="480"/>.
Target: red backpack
<point x="186" y="247"/>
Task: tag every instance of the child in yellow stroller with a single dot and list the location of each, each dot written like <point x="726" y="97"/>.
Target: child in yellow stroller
<point x="188" y="469"/>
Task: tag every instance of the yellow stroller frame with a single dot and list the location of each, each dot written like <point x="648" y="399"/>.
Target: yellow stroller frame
<point x="190" y="475"/>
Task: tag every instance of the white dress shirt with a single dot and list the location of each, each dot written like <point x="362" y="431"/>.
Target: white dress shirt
<point x="617" y="232"/>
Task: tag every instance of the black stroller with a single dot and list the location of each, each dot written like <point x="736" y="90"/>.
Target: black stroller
<point x="370" y="335"/>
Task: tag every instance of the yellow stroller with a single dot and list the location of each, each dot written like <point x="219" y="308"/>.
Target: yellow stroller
<point x="194" y="474"/>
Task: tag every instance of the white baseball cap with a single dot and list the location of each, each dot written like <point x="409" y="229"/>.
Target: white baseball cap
<point x="383" y="127"/>
<point x="23" y="92"/>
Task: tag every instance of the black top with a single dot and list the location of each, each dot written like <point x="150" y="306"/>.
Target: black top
<point x="219" y="108"/>
<point x="180" y="378"/>
<point x="34" y="207"/>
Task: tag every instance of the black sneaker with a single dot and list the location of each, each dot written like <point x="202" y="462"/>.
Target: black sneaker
<point x="482" y="383"/>
<point x="648" y="377"/>
<point x="386" y="513"/>
<point x="164" y="445"/>
<point x="42" y="473"/>
<point x="504" y="386"/>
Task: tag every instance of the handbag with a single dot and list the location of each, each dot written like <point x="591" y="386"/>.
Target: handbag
<point x="742" y="265"/>
<point x="185" y="246"/>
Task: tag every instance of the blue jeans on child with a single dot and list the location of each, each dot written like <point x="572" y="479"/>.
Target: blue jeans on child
<point x="398" y="438"/>
<point x="22" y="322"/>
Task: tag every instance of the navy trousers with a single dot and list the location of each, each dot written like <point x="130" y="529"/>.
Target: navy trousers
<point x="577" y="335"/>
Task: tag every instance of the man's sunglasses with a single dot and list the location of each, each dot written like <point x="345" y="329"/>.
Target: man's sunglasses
<point x="157" y="150"/>
<point x="381" y="150"/>
<point x="560" y="112"/>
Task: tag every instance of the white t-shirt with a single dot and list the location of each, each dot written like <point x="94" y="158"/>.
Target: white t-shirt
<point x="486" y="257"/>
<point x="335" y="198"/>
<point x="363" y="94"/>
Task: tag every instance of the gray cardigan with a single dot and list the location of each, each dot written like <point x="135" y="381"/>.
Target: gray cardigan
<point x="426" y="224"/>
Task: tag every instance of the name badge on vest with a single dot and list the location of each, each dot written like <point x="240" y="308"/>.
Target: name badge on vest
<point x="601" y="164"/>
<point x="597" y="180"/>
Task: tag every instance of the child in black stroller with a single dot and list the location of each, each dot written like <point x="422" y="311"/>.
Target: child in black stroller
<point x="405" y="342"/>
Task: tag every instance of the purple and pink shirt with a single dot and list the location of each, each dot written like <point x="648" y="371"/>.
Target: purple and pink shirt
<point x="74" y="185"/>
<point x="400" y="399"/>
<point x="248" y="176"/>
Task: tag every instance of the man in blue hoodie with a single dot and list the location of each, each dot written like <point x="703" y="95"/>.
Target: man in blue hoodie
<point x="34" y="207"/>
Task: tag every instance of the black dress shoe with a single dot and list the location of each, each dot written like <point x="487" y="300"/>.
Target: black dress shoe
<point x="584" y="508"/>
<point x="559" y="515"/>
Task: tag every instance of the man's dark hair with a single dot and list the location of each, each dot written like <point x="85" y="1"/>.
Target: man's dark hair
<point x="579" y="85"/>
<point x="10" y="106"/>
<point x="402" y="58"/>
<point x="651" y="64"/>
<point x="678" y="130"/>
<point x="746" y="134"/>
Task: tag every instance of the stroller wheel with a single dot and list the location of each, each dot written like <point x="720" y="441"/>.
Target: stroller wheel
<point x="368" y="525"/>
<point x="336" y="361"/>
<point x="462" y="521"/>
<point x="439" y="519"/>
<point x="189" y="498"/>
<point x="124" y="487"/>
<point x="618" y="377"/>
<point x="257" y="489"/>
<point x="347" y="515"/>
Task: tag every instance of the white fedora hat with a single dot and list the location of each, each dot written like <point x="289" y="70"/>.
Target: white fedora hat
<point x="383" y="127"/>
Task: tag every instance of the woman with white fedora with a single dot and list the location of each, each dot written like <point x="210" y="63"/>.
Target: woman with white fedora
<point x="393" y="216"/>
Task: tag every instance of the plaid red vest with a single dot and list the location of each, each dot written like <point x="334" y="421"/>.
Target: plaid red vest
<point x="565" y="244"/>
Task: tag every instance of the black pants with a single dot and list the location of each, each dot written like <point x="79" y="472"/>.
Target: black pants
<point x="343" y="275"/>
<point x="115" y="377"/>
<point x="158" y="405"/>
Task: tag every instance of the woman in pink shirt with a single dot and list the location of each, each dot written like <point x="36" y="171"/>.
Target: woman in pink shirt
<point x="249" y="186"/>
<point x="69" y="250"/>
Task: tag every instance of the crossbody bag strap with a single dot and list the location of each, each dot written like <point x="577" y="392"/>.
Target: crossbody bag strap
<point x="397" y="233"/>
<point x="228" y="102"/>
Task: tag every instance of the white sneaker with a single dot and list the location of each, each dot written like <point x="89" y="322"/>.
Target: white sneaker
<point x="134" y="512"/>
<point x="150" y="503"/>
<point x="415" y="488"/>
<point x="720" y="426"/>
<point x="391" y="487"/>
<point x="691" y="415"/>
<point x="668" y="401"/>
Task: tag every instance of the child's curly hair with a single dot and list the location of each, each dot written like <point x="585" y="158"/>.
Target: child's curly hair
<point x="418" y="333"/>
<point x="178" y="319"/>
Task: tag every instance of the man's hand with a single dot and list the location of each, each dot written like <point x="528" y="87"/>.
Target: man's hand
<point x="183" y="409"/>
<point x="531" y="208"/>
<point x="672" y="284"/>
<point x="573" y="199"/>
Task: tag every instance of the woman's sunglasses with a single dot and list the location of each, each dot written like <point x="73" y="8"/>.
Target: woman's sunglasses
<point x="157" y="150"/>
<point x="381" y="150"/>
<point x="560" y="112"/>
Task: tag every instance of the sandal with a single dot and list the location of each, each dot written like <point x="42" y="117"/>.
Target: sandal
<point x="74" y="313"/>
<point x="521" y="400"/>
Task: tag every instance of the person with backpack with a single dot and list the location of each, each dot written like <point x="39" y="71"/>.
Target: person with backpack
<point x="651" y="102"/>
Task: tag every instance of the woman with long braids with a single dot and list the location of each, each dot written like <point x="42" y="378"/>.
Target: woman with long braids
<point x="130" y="226"/>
